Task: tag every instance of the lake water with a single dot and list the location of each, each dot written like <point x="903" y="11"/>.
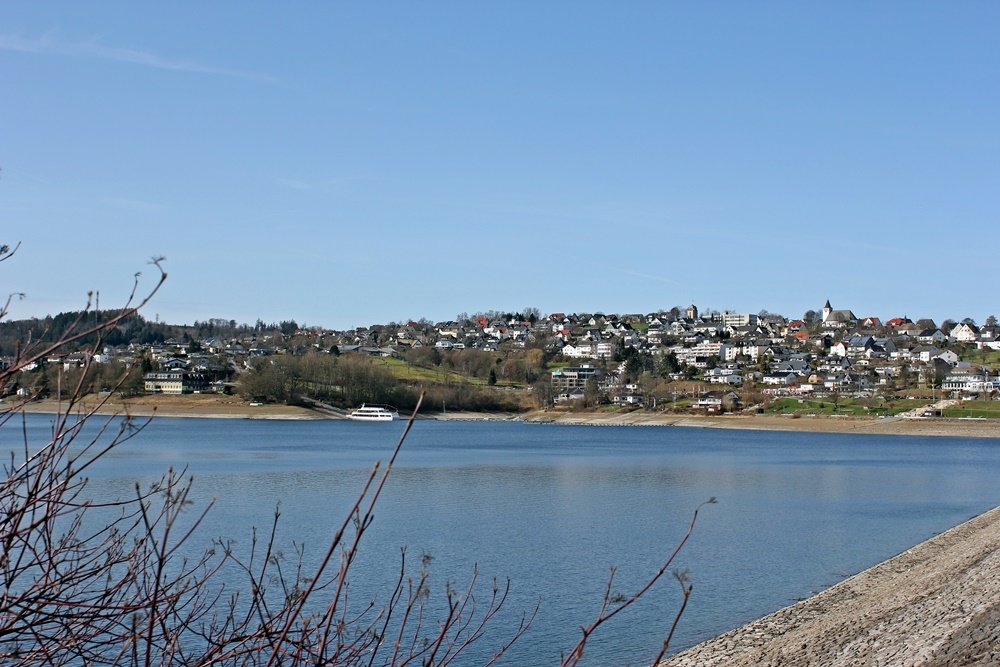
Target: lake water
<point x="554" y="507"/>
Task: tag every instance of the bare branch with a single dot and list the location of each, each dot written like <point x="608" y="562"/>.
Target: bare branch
<point x="612" y="605"/>
<point x="135" y="590"/>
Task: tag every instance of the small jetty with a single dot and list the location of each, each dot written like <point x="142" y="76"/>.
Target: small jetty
<point x="325" y="409"/>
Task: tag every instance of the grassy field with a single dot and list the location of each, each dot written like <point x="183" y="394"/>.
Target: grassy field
<point x="987" y="409"/>
<point x="402" y="370"/>
<point x="860" y="407"/>
<point x="984" y="357"/>
<point x="680" y="405"/>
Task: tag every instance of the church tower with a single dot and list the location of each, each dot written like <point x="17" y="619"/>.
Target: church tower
<point x="827" y="309"/>
<point x="692" y="312"/>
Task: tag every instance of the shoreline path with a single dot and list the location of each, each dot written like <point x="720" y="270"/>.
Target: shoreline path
<point x="935" y="605"/>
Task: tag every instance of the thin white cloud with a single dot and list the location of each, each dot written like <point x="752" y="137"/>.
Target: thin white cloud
<point x="649" y="276"/>
<point x="295" y="184"/>
<point x="326" y="185"/>
<point x="50" y="44"/>
<point x="131" y="204"/>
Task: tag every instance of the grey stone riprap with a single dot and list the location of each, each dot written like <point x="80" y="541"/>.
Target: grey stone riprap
<point x="935" y="605"/>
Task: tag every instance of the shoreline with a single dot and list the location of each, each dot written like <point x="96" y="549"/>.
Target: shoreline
<point x="202" y="406"/>
<point x="935" y="604"/>
<point x="899" y="426"/>
<point x="206" y="406"/>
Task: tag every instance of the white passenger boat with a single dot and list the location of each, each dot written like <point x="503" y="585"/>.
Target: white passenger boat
<point x="374" y="413"/>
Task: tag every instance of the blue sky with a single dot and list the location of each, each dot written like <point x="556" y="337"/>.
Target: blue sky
<point x="346" y="164"/>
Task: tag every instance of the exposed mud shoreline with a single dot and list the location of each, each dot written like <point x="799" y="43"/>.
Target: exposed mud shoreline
<point x="231" y="407"/>
<point x="194" y="405"/>
<point x="935" y="605"/>
<point x="870" y="425"/>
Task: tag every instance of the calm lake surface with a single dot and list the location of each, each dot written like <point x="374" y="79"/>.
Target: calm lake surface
<point x="554" y="507"/>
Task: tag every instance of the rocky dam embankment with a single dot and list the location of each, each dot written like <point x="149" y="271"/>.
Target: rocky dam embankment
<point x="935" y="605"/>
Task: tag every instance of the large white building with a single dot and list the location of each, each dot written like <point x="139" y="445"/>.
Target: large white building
<point x="698" y="355"/>
<point x="739" y="319"/>
<point x="175" y="382"/>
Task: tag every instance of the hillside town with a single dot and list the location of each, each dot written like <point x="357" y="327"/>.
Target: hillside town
<point x="719" y="361"/>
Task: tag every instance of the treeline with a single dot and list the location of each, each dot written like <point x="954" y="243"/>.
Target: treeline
<point x="637" y="363"/>
<point x="230" y="329"/>
<point x="53" y="381"/>
<point x="132" y="329"/>
<point x="350" y="380"/>
<point x="287" y="379"/>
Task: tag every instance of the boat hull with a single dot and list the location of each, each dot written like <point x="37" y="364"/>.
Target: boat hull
<point x="373" y="414"/>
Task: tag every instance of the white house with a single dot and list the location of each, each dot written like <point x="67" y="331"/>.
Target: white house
<point x="781" y="379"/>
<point x="839" y="349"/>
<point x="964" y="333"/>
<point x="578" y="351"/>
<point x="932" y="336"/>
<point x="924" y="353"/>
<point x="947" y="356"/>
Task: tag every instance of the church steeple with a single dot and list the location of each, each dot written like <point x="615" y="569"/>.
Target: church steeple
<point x="827" y="309"/>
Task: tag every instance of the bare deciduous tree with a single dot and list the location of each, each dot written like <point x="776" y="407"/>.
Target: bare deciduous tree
<point x="115" y="582"/>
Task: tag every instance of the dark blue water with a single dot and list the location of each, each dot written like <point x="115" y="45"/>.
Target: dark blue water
<point x="554" y="507"/>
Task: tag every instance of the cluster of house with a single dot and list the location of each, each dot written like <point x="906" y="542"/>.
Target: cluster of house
<point x="835" y="351"/>
<point x="838" y="352"/>
<point x="178" y="369"/>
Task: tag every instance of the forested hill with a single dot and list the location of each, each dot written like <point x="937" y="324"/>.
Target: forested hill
<point x="133" y="329"/>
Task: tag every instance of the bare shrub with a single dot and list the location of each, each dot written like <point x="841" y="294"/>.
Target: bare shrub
<point x="129" y="592"/>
